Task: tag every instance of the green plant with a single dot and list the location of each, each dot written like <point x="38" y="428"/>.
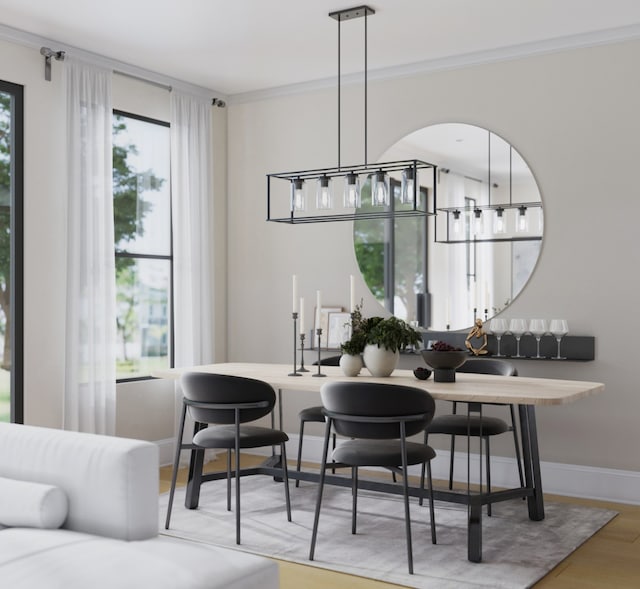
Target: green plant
<point x="390" y="333"/>
<point x="355" y="345"/>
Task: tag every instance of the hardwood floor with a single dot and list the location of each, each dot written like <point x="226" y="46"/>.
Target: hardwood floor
<point x="608" y="560"/>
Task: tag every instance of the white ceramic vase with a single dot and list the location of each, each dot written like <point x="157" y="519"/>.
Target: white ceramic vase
<point x="380" y="361"/>
<point x="351" y="365"/>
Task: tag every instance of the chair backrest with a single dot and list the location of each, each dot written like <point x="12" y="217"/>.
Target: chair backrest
<point x="221" y="389"/>
<point x="364" y="400"/>
<point x="488" y="366"/>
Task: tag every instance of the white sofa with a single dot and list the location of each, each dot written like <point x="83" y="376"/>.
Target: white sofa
<point x="102" y="492"/>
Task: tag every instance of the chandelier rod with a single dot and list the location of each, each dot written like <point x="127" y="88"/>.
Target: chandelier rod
<point x="339" y="90"/>
<point x="365" y="87"/>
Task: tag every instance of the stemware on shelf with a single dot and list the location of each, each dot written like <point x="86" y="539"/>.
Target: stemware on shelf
<point x="498" y="328"/>
<point x="559" y="328"/>
<point x="538" y="328"/>
<point x="517" y="328"/>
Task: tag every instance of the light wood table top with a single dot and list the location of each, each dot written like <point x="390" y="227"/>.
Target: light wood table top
<point x="481" y="388"/>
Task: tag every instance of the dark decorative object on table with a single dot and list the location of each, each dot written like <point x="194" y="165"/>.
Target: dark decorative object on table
<point x="444" y="359"/>
<point x="422" y="373"/>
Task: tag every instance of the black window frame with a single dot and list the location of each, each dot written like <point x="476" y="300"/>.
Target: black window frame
<point x="16" y="91"/>
<point x="145" y="119"/>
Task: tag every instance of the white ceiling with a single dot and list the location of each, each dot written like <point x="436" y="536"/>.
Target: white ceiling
<point x="239" y="46"/>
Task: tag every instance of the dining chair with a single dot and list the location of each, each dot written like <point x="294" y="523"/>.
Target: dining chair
<point x="377" y="419"/>
<point x="475" y="424"/>
<point x="313" y="414"/>
<point x="220" y="405"/>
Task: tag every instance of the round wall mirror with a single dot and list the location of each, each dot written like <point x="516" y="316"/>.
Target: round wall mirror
<point x="475" y="252"/>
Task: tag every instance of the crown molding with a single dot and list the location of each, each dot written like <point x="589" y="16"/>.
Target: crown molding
<point x="24" y="38"/>
<point x="520" y="51"/>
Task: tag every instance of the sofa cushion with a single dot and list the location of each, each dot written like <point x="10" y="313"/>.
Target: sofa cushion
<point x="33" y="505"/>
<point x="63" y="559"/>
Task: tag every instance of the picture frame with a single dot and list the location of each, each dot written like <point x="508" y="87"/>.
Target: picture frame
<point x="339" y="330"/>
<point x="324" y="324"/>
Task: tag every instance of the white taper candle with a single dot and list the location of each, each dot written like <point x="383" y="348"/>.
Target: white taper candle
<point x="318" y="307"/>
<point x="295" y="293"/>
<point x="352" y="294"/>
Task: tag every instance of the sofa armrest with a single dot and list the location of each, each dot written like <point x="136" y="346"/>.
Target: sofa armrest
<point x="111" y="483"/>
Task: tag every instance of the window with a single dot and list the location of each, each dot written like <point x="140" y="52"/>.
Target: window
<point x="11" y="252"/>
<point x="142" y="227"/>
<point x="396" y="279"/>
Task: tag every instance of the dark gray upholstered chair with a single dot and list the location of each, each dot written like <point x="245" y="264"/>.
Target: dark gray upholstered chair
<point x="378" y="419"/>
<point x="313" y="414"/>
<point x="220" y="405"/>
<point x="459" y="424"/>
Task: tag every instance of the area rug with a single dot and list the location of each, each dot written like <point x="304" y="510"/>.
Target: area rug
<point x="516" y="552"/>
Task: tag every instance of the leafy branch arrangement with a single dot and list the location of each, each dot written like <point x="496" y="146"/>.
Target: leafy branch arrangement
<point x="390" y="333"/>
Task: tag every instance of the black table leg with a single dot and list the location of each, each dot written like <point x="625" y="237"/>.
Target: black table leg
<point x="474" y="532"/>
<point x="531" y="457"/>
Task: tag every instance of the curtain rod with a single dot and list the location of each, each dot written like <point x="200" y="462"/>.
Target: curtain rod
<point x="214" y="101"/>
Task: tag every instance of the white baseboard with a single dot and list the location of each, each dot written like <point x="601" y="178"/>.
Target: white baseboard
<point x="605" y="484"/>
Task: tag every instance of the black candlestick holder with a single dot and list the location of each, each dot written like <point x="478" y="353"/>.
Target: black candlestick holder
<point x="295" y="344"/>
<point x="302" y="368"/>
<point x="319" y="334"/>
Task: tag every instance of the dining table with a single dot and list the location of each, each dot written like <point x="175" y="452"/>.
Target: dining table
<point x="526" y="393"/>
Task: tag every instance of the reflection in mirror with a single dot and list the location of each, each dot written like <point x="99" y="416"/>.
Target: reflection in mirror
<point x="477" y="252"/>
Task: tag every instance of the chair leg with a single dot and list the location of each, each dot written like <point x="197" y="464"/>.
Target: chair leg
<point x="229" y="480"/>
<point x="237" y="457"/>
<point x="405" y="487"/>
<point x="323" y="468"/>
<point x="176" y="463"/>
<point x="432" y="511"/>
<point x="516" y="444"/>
<point x="285" y="476"/>
<point x="333" y="468"/>
<point x="354" y="496"/>
<point x="451" y="461"/>
<point x="422" y="469"/>
<point x="488" y="462"/>
<point x="299" y="461"/>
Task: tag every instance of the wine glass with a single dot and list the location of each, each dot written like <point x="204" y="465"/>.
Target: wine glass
<point x="517" y="328"/>
<point x="498" y="328"/>
<point x="537" y="328"/>
<point x="559" y="328"/>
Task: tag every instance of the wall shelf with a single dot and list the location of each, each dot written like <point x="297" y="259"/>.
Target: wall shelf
<point x="577" y="348"/>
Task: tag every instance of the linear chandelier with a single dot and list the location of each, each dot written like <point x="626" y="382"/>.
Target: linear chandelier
<point x="366" y="188"/>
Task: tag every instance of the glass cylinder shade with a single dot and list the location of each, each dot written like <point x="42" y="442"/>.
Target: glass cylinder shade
<point x="478" y="222"/>
<point x="298" y="196"/>
<point x="500" y="223"/>
<point x="457" y="223"/>
<point x="352" y="191"/>
<point x="408" y="187"/>
<point x="380" y="189"/>
<point x="323" y="193"/>
<point x="522" y="223"/>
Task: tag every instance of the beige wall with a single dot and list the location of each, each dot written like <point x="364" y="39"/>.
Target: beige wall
<point x="574" y="118"/>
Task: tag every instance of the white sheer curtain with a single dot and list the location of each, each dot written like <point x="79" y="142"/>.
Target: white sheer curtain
<point x="90" y="390"/>
<point x="192" y="191"/>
